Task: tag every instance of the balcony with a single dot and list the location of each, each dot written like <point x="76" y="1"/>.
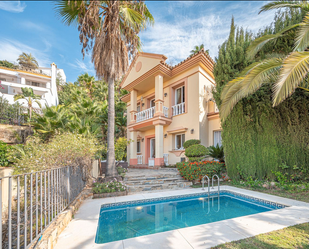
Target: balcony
<point x="178" y="109"/>
<point x="149" y="113"/>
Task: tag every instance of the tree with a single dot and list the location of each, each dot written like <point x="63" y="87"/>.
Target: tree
<point x="28" y="61"/>
<point x="5" y="63"/>
<point x="198" y="49"/>
<point x="88" y="82"/>
<point x="113" y="27"/>
<point x="28" y="95"/>
<point x="285" y="72"/>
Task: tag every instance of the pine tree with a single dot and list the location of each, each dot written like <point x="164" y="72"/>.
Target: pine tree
<point x="232" y="58"/>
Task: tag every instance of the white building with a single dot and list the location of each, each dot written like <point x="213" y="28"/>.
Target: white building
<point x="60" y="72"/>
<point x="44" y="85"/>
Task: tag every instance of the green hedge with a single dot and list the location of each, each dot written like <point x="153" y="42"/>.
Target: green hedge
<point x="196" y="171"/>
<point x="190" y="142"/>
<point x="258" y="139"/>
<point x="196" y="150"/>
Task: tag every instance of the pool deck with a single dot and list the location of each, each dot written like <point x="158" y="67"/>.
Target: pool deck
<point x="81" y="231"/>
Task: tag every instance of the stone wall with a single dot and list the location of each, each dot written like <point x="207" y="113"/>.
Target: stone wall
<point x="50" y="235"/>
<point x="13" y="134"/>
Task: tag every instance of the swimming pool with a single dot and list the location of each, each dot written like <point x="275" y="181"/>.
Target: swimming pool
<point x="125" y="220"/>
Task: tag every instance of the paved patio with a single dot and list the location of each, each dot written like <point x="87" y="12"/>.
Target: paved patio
<point x="81" y="231"/>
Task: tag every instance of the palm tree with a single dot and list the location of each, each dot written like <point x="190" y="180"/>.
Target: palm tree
<point x="28" y="61"/>
<point x="28" y="95"/>
<point x="198" y="49"/>
<point x="288" y="72"/>
<point x="113" y="27"/>
<point x="87" y="81"/>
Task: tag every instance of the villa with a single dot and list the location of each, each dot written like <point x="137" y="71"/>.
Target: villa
<point x="168" y="105"/>
<point x="42" y="81"/>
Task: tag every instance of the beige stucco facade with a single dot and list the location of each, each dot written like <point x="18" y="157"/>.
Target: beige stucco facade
<point x="170" y="105"/>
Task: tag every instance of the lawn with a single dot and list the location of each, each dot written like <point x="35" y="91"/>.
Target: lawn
<point x="290" y="237"/>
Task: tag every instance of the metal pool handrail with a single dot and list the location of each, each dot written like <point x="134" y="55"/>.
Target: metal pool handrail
<point x="212" y="182"/>
<point x="208" y="184"/>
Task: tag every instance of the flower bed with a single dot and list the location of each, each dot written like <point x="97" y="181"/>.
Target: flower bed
<point x="109" y="189"/>
<point x="194" y="171"/>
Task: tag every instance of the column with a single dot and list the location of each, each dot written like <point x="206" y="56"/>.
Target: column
<point x="159" y="95"/>
<point x="133" y="145"/>
<point x="133" y="103"/>
<point x="23" y="81"/>
<point x="159" y="160"/>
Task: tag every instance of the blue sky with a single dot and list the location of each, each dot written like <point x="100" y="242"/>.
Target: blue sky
<point x="33" y="27"/>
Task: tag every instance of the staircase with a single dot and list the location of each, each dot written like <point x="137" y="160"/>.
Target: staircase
<point x="138" y="180"/>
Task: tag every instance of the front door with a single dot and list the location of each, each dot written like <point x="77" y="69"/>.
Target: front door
<point x="152" y="148"/>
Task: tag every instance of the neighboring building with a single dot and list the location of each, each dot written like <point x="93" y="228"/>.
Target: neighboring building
<point x="12" y="80"/>
<point x="60" y="73"/>
<point x="167" y="106"/>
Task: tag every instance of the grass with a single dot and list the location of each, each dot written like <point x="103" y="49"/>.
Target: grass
<point x="290" y="237"/>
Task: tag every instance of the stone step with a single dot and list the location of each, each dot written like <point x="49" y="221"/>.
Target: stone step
<point x="142" y="177"/>
<point x="154" y="181"/>
<point x="150" y="187"/>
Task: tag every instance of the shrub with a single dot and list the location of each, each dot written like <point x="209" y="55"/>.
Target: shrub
<point x="190" y="142"/>
<point x="121" y="171"/>
<point x="108" y="187"/>
<point x="4" y="162"/>
<point x="197" y="170"/>
<point x="121" y="148"/>
<point x="196" y="159"/>
<point x="62" y="150"/>
<point x="216" y="152"/>
<point x="196" y="150"/>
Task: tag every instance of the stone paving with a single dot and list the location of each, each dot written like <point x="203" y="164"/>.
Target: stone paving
<point x="140" y="180"/>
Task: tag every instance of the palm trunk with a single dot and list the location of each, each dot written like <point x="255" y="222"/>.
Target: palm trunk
<point x="110" y="167"/>
<point x="30" y="114"/>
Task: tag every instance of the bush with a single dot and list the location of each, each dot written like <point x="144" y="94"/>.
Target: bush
<point x="108" y="187"/>
<point x="4" y="161"/>
<point x="216" y="152"/>
<point x="197" y="170"/>
<point x="121" y="148"/>
<point x="196" y="150"/>
<point x="62" y="150"/>
<point x="196" y="159"/>
<point x="121" y="171"/>
<point x="191" y="142"/>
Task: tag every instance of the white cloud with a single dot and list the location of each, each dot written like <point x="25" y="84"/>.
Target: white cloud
<point x="176" y="38"/>
<point x="12" y="6"/>
<point x="83" y="66"/>
<point x="11" y="49"/>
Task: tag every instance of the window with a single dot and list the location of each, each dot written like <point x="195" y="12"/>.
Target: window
<point x="217" y="138"/>
<point x="2" y="79"/>
<point x="180" y="95"/>
<point x="35" y="84"/>
<point x="152" y="103"/>
<point x="138" y="148"/>
<point x="138" y="108"/>
<point x="179" y="140"/>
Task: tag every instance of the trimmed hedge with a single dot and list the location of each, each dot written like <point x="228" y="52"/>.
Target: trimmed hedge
<point x="196" y="170"/>
<point x="196" y="150"/>
<point x="191" y="142"/>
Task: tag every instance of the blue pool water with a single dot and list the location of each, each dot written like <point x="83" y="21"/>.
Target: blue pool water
<point x="132" y="219"/>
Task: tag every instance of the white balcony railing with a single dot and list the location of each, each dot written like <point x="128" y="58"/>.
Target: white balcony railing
<point x="178" y="109"/>
<point x="165" y="111"/>
<point x="139" y="159"/>
<point x="146" y="114"/>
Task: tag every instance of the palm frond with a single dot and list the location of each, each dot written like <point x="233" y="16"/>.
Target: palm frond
<point x="302" y="35"/>
<point x="39" y="103"/>
<point x="294" y="70"/>
<point x="68" y="11"/>
<point x="260" y="42"/>
<point x="285" y="4"/>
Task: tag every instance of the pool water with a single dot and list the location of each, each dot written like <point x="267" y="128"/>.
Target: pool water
<point x="138" y="219"/>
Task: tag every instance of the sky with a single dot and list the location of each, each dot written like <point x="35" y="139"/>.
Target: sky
<point x="33" y="27"/>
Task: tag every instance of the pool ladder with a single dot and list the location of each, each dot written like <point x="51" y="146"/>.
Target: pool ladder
<point x="212" y="183"/>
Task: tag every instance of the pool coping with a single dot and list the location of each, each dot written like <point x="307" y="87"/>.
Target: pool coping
<point x="81" y="232"/>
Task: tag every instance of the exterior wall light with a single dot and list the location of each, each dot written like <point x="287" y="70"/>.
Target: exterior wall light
<point x="165" y="94"/>
<point x="142" y="139"/>
<point x="165" y="135"/>
<point x="143" y="104"/>
<point x="192" y="131"/>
